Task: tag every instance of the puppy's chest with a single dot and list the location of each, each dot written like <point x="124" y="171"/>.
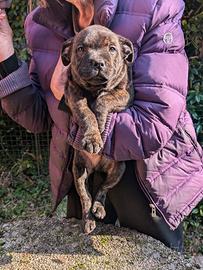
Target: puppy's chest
<point x="92" y="96"/>
<point x="94" y="161"/>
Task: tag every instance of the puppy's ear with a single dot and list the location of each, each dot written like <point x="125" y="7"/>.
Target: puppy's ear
<point x="66" y="51"/>
<point x="127" y="49"/>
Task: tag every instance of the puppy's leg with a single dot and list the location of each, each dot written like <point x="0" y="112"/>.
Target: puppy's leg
<point x="91" y="140"/>
<point x="110" y="102"/>
<point x="81" y="174"/>
<point x="115" y="171"/>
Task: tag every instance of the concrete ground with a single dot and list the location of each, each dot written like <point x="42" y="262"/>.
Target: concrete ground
<point x="59" y="244"/>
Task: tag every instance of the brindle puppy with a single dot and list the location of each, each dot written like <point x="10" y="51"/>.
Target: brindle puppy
<point x="99" y="83"/>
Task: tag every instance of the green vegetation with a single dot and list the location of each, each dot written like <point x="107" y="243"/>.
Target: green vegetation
<point x="17" y="14"/>
<point x="24" y="192"/>
<point x="193" y="28"/>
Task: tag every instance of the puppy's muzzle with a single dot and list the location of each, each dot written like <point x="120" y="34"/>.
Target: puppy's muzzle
<point x="97" y="64"/>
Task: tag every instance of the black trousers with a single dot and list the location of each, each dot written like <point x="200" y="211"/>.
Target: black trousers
<point x="127" y="202"/>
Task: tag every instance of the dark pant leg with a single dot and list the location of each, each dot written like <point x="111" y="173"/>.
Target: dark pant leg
<point x="134" y="212"/>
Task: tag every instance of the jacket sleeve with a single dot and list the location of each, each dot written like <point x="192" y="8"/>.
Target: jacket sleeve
<point x="160" y="83"/>
<point x="22" y="99"/>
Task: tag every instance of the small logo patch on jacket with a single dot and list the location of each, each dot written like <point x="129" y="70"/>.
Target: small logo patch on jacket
<point x="168" y="38"/>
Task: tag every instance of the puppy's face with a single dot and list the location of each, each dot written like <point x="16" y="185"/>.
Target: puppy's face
<point x="97" y="55"/>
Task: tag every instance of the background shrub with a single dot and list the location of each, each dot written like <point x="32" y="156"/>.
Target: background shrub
<point x="193" y="28"/>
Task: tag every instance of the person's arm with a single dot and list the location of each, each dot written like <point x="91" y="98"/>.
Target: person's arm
<point x="20" y="91"/>
<point x="160" y="83"/>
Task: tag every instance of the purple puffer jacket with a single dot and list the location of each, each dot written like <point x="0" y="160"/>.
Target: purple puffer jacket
<point x="156" y="131"/>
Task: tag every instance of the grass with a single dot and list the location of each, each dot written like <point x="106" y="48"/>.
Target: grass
<point x="24" y="197"/>
<point x="193" y="228"/>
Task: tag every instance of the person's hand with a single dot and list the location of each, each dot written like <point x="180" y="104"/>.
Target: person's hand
<point x="6" y="37"/>
<point x="5" y="4"/>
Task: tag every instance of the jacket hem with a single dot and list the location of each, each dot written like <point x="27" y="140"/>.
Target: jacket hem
<point x="176" y="219"/>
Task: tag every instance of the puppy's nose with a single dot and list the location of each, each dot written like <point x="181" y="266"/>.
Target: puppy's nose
<point x="99" y="64"/>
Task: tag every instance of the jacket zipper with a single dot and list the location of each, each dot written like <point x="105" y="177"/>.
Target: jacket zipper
<point x="152" y="205"/>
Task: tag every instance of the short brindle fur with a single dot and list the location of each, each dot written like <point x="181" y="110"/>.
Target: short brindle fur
<point x="99" y="83"/>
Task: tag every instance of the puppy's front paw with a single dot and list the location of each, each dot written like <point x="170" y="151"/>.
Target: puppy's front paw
<point x="98" y="210"/>
<point x="92" y="143"/>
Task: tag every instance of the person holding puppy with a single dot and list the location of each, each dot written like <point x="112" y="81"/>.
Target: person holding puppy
<point x="163" y="180"/>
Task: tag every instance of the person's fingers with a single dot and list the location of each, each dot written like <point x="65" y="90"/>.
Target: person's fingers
<point x="2" y="14"/>
<point x="6" y="37"/>
<point x="2" y="17"/>
<point x="2" y="11"/>
<point x="4" y="24"/>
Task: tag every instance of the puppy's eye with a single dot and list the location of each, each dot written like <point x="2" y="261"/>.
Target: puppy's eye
<point x="112" y="49"/>
<point x="80" y="49"/>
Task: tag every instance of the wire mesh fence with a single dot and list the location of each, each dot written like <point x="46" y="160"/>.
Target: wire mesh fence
<point x="19" y="149"/>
